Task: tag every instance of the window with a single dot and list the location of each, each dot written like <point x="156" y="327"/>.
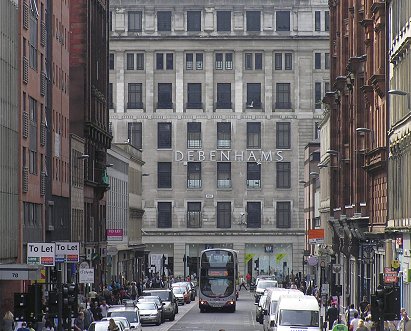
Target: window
<point x="253" y="135"/>
<point x="135" y="96"/>
<point x="194" y="96"/>
<point x="278" y="61"/>
<point x="283" y="174"/>
<point x="228" y="61"/>
<point x="134" y="21"/>
<point x="189" y="61"/>
<point x="135" y="134"/>
<point x="169" y="61"/>
<point x="288" y="61"/>
<point x="283" y="98"/>
<point x="253" y="95"/>
<point x="110" y="96"/>
<point x="253" y="20"/>
<point x="317" y="130"/>
<point x="327" y="20"/>
<point x="254" y="215"/>
<point x="223" y="215"/>
<point x="33" y="40"/>
<point x="257" y="64"/>
<point x="164" y="175"/>
<point x="164" y="135"/>
<point x="317" y="21"/>
<point x="317" y="60"/>
<point x="130" y="61"/>
<point x="193" y="175"/>
<point x="33" y="162"/>
<point x="164" y="21"/>
<point x="33" y="114"/>
<point x="223" y="135"/>
<point x="194" y="21"/>
<point x="253" y="175"/>
<point x="219" y="61"/>
<point x="317" y="96"/>
<point x="327" y="61"/>
<point x="111" y="61"/>
<point x="326" y="87"/>
<point x="199" y="61"/>
<point x="164" y="219"/>
<point x="224" y="96"/>
<point x="140" y="61"/>
<point x="223" y="175"/>
<point x="159" y="61"/>
<point x="110" y="21"/>
<point x="194" y="135"/>
<point x="283" y="214"/>
<point x="194" y="214"/>
<point x="283" y="135"/>
<point x="223" y="20"/>
<point x="282" y="21"/>
<point x="248" y="62"/>
<point x="165" y="96"/>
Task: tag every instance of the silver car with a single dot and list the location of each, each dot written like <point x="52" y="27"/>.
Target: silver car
<point x="149" y="313"/>
<point x="122" y="320"/>
<point x="131" y="313"/>
<point x="103" y="326"/>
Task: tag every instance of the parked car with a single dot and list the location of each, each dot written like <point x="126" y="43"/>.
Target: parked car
<point x="103" y="326"/>
<point x="149" y="313"/>
<point x="122" y="320"/>
<point x="262" y="285"/>
<point x="190" y="286"/>
<point x="157" y="301"/>
<point x="180" y="294"/>
<point x="129" y="312"/>
<point x="169" y="300"/>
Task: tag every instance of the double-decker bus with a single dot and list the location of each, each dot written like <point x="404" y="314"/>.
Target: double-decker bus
<point x="217" y="282"/>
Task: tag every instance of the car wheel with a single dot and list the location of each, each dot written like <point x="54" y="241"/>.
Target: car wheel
<point x="159" y="321"/>
<point x="176" y="309"/>
<point x="172" y="317"/>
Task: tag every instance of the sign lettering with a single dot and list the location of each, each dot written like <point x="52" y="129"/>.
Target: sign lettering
<point x="228" y="156"/>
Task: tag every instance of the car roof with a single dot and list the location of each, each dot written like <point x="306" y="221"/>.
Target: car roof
<point x="122" y="308"/>
<point x="305" y="302"/>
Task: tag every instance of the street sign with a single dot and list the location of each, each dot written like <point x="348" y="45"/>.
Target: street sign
<point x="84" y="265"/>
<point x="86" y="276"/>
<point x="395" y="264"/>
<point x="316" y="236"/>
<point x="112" y="250"/>
<point x="390" y="279"/>
<point x="41" y="253"/>
<point x="67" y="252"/>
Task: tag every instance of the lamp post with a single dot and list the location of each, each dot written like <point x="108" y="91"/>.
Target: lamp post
<point x="402" y="93"/>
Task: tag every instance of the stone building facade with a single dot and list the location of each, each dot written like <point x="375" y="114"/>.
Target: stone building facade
<point x="222" y="100"/>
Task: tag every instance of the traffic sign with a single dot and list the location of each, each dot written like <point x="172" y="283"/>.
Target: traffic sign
<point x="86" y="276"/>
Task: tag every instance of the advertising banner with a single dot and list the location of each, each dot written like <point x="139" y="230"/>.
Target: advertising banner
<point x="114" y="234"/>
<point x="67" y="252"/>
<point x="41" y="253"/>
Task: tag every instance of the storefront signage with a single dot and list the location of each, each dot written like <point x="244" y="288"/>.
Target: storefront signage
<point x="86" y="276"/>
<point x="114" y="234"/>
<point x="67" y="252"/>
<point x="228" y="156"/>
<point x="41" y="253"/>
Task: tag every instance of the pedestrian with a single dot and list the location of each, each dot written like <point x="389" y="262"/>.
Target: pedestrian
<point x="48" y="326"/>
<point x="104" y="308"/>
<point x="8" y="321"/>
<point x="242" y="283"/>
<point x="88" y="317"/>
<point x="331" y="315"/>
<point x="368" y="322"/>
<point x="96" y="311"/>
<point x="349" y="314"/>
<point x="405" y="324"/>
<point x="248" y="278"/>
<point x="23" y="327"/>
<point x="354" y="322"/>
<point x="112" y="326"/>
<point x="30" y="326"/>
<point x="361" y="325"/>
<point x="363" y="306"/>
<point x="79" y="322"/>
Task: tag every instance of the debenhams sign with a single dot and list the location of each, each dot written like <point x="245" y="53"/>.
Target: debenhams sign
<point x="228" y="156"/>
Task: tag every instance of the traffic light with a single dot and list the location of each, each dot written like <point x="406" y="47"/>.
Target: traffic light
<point x="377" y="304"/>
<point x="53" y="304"/>
<point x="20" y="306"/>
<point x="257" y="263"/>
<point x="392" y="304"/>
<point x="35" y="303"/>
<point x="73" y="299"/>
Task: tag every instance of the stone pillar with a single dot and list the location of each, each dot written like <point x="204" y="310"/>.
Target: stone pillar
<point x="150" y="98"/>
<point x="240" y="248"/>
<point x="179" y="85"/>
<point x="179" y="251"/>
<point x="238" y="81"/>
<point x="209" y="81"/>
<point x="120" y="92"/>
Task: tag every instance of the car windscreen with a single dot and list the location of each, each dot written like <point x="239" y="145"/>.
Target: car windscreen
<point x="147" y="306"/>
<point x="263" y="284"/>
<point x="299" y="318"/>
<point x="215" y="287"/>
<point x="178" y="290"/>
<point x="164" y="295"/>
<point x="130" y="315"/>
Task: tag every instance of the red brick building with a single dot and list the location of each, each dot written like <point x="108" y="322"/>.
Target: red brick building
<point x="358" y="147"/>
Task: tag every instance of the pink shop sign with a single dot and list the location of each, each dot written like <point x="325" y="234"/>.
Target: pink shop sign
<point x="114" y="234"/>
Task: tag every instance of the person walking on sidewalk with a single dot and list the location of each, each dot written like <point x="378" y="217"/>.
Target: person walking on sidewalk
<point x="242" y="283"/>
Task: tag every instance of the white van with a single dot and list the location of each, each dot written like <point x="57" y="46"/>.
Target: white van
<point x="293" y="313"/>
<point x="273" y="297"/>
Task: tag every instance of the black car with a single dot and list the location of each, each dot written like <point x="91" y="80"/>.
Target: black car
<point x="169" y="301"/>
